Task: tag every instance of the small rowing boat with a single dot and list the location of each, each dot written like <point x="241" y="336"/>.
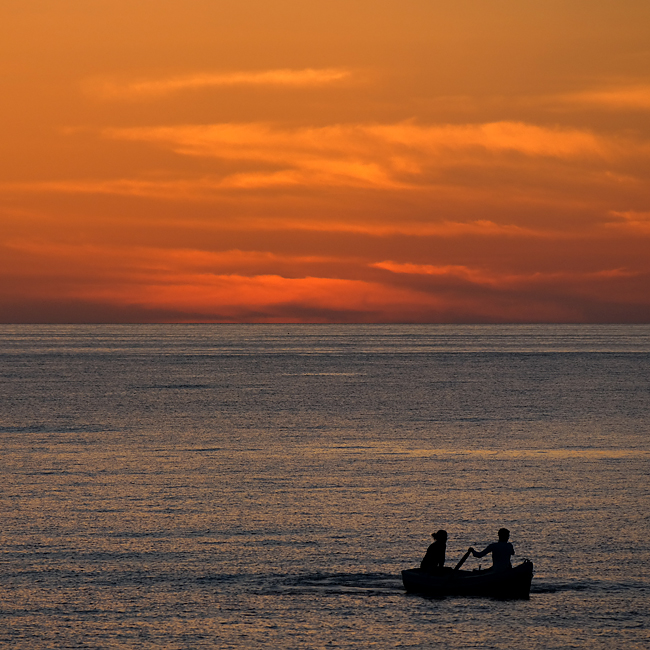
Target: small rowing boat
<point x="508" y="583"/>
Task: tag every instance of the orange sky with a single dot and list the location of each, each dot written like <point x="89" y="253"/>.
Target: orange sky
<point x="324" y="161"/>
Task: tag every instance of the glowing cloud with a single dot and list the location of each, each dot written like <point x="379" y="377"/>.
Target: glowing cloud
<point x="622" y="98"/>
<point x="638" y="222"/>
<point x="158" y="87"/>
<point x="483" y="277"/>
<point x="365" y="155"/>
<point x="264" y="142"/>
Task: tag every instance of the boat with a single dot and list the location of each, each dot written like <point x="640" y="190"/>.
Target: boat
<point x="506" y="584"/>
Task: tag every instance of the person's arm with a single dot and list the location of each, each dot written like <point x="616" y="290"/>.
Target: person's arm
<point x="427" y="560"/>
<point x="482" y="553"/>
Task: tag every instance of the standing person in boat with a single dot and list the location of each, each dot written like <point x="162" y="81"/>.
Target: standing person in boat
<point x="434" y="559"/>
<point x="501" y="551"/>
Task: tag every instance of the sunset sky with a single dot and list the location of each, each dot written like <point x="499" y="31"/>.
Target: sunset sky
<point x="324" y="161"/>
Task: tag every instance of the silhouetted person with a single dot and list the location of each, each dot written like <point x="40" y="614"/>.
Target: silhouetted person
<point x="434" y="559"/>
<point x="501" y="551"/>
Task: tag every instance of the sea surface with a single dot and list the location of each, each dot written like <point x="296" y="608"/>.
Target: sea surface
<point x="262" y="486"/>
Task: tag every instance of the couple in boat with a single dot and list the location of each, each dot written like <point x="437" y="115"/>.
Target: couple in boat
<point x="434" y="560"/>
<point x="501" y="580"/>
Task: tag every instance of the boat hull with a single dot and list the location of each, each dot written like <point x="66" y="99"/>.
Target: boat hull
<point x="512" y="583"/>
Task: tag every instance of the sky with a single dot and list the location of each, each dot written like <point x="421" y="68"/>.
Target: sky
<point x="338" y="161"/>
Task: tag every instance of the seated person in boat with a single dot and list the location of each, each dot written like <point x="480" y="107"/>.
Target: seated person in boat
<point x="501" y="551"/>
<point x="434" y="559"/>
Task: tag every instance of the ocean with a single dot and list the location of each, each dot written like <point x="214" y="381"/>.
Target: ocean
<point x="262" y="486"/>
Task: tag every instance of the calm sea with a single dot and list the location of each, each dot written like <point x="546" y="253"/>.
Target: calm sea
<point x="262" y="486"/>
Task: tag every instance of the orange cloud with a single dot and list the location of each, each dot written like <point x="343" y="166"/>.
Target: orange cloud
<point x="622" y="98"/>
<point x="491" y="278"/>
<point x="158" y="87"/>
<point x="481" y="227"/>
<point x="397" y="144"/>
<point x="396" y="157"/>
<point x="233" y="285"/>
<point x="373" y="224"/>
<point x="190" y="283"/>
<point x="638" y="222"/>
<point x="393" y="156"/>
<point x="526" y="139"/>
<point x="150" y="260"/>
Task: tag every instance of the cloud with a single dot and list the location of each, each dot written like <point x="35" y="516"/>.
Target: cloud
<point x="175" y="188"/>
<point x="497" y="137"/>
<point x="197" y="282"/>
<point x="639" y="222"/>
<point x="204" y="189"/>
<point x="481" y="227"/>
<point x="402" y="156"/>
<point x="390" y="156"/>
<point x="498" y="179"/>
<point x="153" y="260"/>
<point x="308" y="77"/>
<point x="496" y="279"/>
<point x="457" y="271"/>
<point x="622" y="98"/>
<point x="399" y="156"/>
<point x="192" y="285"/>
<point x="260" y="141"/>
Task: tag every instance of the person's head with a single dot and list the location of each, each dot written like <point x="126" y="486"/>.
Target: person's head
<point x="504" y="534"/>
<point x="440" y="535"/>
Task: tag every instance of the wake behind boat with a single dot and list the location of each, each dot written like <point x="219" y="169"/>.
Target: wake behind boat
<point x="509" y="583"/>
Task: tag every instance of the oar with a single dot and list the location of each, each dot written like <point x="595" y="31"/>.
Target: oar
<point x="462" y="559"/>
